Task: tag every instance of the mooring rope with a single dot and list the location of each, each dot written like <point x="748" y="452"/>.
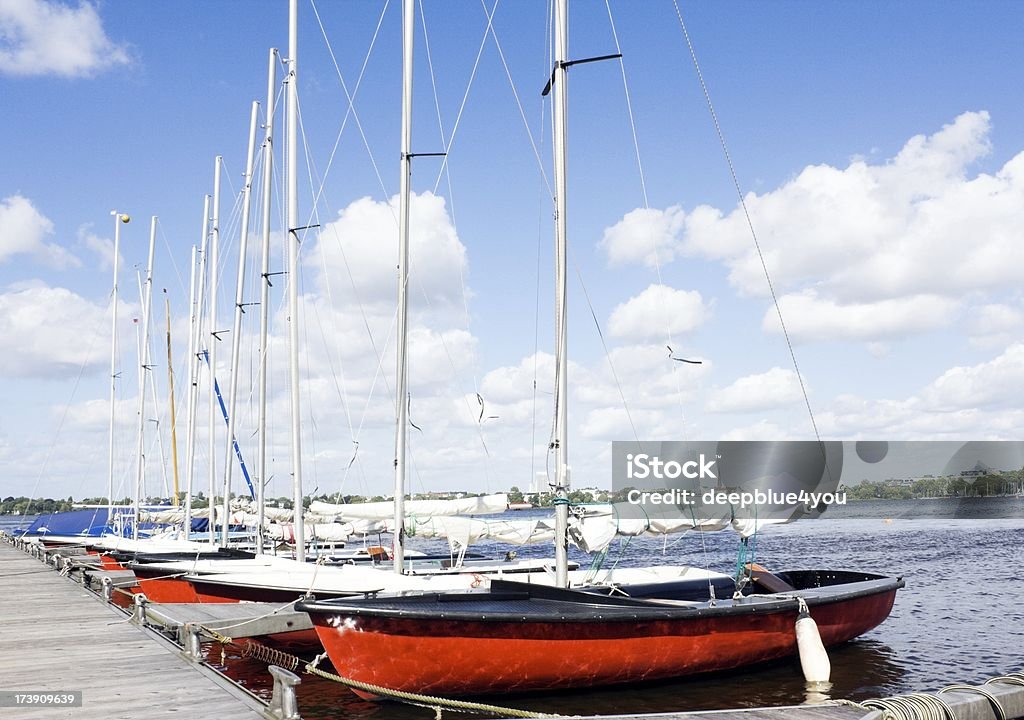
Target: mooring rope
<point x="222" y="639"/>
<point x="429" y="700"/>
<point x="273" y="656"/>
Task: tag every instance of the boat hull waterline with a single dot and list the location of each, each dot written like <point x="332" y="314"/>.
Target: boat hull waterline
<point x="515" y="642"/>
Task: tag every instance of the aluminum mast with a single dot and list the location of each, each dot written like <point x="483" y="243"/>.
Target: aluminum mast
<point x="292" y="185"/>
<point x="402" y="370"/>
<point x="268" y="182"/>
<point x="561" y="431"/>
<point x="140" y="469"/>
<point x="236" y="327"/>
<point x="118" y="220"/>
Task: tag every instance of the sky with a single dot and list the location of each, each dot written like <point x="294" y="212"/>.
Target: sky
<point x="878" y="148"/>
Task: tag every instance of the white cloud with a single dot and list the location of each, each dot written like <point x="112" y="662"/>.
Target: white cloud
<point x="994" y="325"/>
<point x="439" y="357"/>
<point x="977" y="401"/>
<point x="810" y="317"/>
<point x="657" y="313"/>
<point x="655" y="390"/>
<point x="363" y="244"/>
<point x="761" y="430"/>
<point x="770" y="390"/>
<point x="841" y="243"/>
<point x="101" y="247"/>
<point x="649" y="378"/>
<point x="998" y="382"/>
<point x="646" y="236"/>
<point x="23" y="231"/>
<point x="48" y="332"/>
<point x="995" y="318"/>
<point x="914" y="224"/>
<point x="45" y="37"/>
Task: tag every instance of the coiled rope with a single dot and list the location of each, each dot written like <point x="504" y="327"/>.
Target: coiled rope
<point x="1000" y="713"/>
<point x="1013" y="678"/>
<point x="917" y="706"/>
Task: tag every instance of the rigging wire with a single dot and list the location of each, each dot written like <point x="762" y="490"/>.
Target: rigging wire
<point x="465" y="96"/>
<point x="519" y="104"/>
<point x="350" y="96"/>
<point x="63" y="417"/>
<point x="750" y="222"/>
<point x="607" y="354"/>
<point x="313" y="222"/>
<point x="318" y="198"/>
<point x="629" y="103"/>
<point x="540" y="245"/>
<point x="314" y="214"/>
<point x="446" y="173"/>
<point x="657" y="259"/>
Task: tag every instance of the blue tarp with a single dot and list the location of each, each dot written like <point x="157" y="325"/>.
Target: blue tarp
<point x="91" y="522"/>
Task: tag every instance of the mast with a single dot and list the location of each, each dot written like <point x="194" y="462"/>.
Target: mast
<point x="170" y="385"/>
<point x="140" y="452"/>
<point x="292" y="184"/>
<point x="402" y="370"/>
<point x="156" y="410"/>
<point x="211" y="353"/>
<point x="268" y="182"/>
<point x="236" y="328"/>
<point x="561" y="431"/>
<point x="118" y="220"/>
<point x="198" y="283"/>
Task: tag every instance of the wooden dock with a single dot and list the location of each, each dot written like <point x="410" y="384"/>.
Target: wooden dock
<point x="57" y="636"/>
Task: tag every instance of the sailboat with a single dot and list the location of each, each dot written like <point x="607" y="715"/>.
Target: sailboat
<point x="514" y="636"/>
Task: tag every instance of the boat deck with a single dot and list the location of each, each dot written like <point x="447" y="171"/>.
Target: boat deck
<point x="56" y="636"/>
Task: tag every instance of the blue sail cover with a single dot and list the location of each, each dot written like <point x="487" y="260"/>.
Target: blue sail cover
<point x="91" y="522"/>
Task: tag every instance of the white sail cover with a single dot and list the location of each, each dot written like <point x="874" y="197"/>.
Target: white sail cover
<point x="594" y="530"/>
<point x="483" y="505"/>
<point x="330" y="532"/>
<point x="465" y="531"/>
<point x="244" y="513"/>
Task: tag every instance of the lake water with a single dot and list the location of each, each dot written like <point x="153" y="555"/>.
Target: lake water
<point x="958" y="620"/>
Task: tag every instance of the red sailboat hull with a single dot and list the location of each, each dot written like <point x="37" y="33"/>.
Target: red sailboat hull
<point x="176" y="590"/>
<point x="457" y="656"/>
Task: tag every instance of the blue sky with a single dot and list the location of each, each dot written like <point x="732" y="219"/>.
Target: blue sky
<point x="877" y="144"/>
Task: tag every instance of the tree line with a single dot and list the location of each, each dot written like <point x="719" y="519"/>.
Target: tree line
<point x="935" y="487"/>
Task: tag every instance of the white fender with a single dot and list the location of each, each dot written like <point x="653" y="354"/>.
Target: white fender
<point x="813" y="658"/>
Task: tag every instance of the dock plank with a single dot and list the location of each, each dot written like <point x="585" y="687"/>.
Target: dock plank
<point x="55" y="635"/>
